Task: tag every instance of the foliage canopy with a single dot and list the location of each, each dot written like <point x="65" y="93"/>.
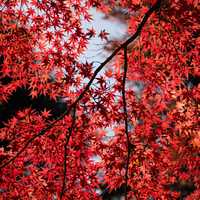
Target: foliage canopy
<point x="156" y="132"/>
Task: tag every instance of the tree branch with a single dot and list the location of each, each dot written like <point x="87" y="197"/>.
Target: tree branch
<point x="126" y="119"/>
<point x="102" y="65"/>
<point x="67" y="138"/>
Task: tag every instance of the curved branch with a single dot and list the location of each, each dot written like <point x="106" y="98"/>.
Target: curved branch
<point x="102" y="65"/>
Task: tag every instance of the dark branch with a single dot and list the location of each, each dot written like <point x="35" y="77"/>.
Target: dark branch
<point x="126" y="118"/>
<point x="67" y="138"/>
<point x="102" y="65"/>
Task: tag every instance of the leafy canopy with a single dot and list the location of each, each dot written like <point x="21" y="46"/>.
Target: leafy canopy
<point x="156" y="133"/>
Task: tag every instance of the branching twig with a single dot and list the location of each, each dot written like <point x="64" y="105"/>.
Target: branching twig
<point x="68" y="136"/>
<point x="102" y="65"/>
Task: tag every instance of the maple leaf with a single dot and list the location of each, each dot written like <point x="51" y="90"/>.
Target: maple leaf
<point x="103" y="35"/>
<point x="109" y="73"/>
<point x="46" y="113"/>
<point x="196" y="140"/>
<point x="90" y="33"/>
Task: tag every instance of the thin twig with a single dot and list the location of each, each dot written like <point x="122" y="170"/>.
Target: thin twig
<point x="68" y="136"/>
<point x="102" y="65"/>
<point x="126" y="120"/>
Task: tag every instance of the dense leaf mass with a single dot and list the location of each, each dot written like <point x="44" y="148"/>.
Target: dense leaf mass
<point x="47" y="153"/>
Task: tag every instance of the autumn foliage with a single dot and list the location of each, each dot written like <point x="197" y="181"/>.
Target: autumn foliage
<point x="156" y="136"/>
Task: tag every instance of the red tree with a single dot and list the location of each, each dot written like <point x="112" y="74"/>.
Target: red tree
<point x="156" y="133"/>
